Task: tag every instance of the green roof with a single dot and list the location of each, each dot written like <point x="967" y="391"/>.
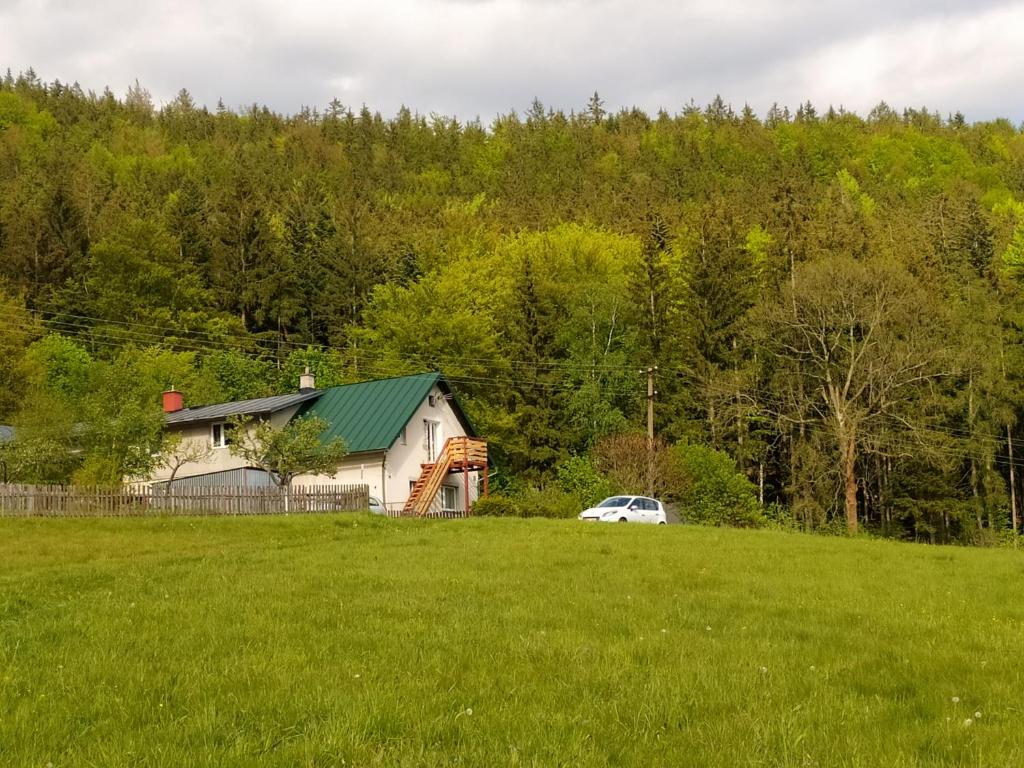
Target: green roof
<point x="370" y="415"/>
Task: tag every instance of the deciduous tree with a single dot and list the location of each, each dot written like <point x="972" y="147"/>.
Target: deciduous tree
<point x="288" y="451"/>
<point x="855" y="348"/>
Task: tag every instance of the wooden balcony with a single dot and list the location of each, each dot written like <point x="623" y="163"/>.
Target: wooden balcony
<point x="468" y="454"/>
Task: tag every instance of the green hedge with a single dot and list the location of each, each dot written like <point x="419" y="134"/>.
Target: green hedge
<point x="529" y="502"/>
<point x="496" y="505"/>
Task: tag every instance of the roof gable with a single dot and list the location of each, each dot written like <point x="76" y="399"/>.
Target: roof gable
<point x="370" y="415"/>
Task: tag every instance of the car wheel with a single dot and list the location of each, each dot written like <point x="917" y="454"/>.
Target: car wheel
<point x="661" y="522"/>
<point x="623" y="520"/>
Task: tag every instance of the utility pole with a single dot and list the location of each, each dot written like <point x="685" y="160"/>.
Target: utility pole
<point x="650" y="429"/>
<point x="1013" y="486"/>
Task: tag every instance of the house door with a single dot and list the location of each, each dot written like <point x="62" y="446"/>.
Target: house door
<point x="431" y="437"/>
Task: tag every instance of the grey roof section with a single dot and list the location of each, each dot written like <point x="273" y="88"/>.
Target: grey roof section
<point x="6" y="433"/>
<point x="245" y="477"/>
<point x="240" y="408"/>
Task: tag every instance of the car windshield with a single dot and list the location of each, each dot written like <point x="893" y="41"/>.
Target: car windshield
<point x="615" y="501"/>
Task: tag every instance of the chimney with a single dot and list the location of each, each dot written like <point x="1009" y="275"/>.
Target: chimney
<point x="306" y="381"/>
<point x="173" y="401"/>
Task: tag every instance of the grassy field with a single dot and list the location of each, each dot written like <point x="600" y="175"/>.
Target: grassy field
<point x="329" y="641"/>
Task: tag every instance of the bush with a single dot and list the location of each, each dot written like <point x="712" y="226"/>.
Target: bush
<point x="630" y="464"/>
<point x="547" y="502"/>
<point x="530" y="502"/>
<point x="496" y="505"/>
<point x="780" y="517"/>
<point x="718" y="494"/>
<point x="578" y="477"/>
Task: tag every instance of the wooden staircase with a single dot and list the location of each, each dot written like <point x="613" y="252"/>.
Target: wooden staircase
<point x="460" y="454"/>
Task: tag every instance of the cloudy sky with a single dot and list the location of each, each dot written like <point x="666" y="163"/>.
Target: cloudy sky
<point x="482" y="57"/>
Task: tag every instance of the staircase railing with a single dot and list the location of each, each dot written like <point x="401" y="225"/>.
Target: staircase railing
<point x="465" y="454"/>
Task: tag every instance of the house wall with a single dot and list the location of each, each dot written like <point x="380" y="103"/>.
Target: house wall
<point x="358" y="469"/>
<point x="220" y="459"/>
<point x="402" y="461"/>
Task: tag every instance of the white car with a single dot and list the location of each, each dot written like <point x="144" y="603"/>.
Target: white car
<point x="627" y="509"/>
<point x="377" y="506"/>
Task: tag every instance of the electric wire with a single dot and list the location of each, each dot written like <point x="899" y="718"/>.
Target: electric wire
<point x="81" y="327"/>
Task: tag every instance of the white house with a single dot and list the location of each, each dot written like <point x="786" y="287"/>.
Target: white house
<point x="408" y="440"/>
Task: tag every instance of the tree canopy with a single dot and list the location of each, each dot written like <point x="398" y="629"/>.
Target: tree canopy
<point x="287" y="451"/>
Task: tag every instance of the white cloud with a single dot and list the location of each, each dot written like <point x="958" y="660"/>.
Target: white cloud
<point x="974" y="63"/>
<point x="481" y="57"/>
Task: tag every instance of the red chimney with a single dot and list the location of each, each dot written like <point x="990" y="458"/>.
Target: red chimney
<point x="173" y="401"/>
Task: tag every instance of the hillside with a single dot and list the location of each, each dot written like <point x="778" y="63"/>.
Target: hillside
<point x="831" y="300"/>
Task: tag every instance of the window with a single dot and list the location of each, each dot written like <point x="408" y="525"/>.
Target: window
<point x="615" y="501"/>
<point x="431" y="438"/>
<point x="449" y="498"/>
<point x="402" y="436"/>
<point x="220" y="434"/>
<point x="432" y="400"/>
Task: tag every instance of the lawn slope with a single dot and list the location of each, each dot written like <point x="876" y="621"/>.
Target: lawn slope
<point x="351" y="640"/>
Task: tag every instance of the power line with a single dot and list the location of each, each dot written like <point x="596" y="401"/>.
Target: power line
<point x="176" y="338"/>
<point x="275" y="345"/>
<point x="79" y="326"/>
<point x="362" y="358"/>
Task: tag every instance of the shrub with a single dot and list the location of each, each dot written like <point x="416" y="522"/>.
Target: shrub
<point x="779" y="516"/>
<point x="496" y="505"/>
<point x="717" y="494"/>
<point x="580" y="478"/>
<point x="529" y="502"/>
<point x="547" y="502"/>
<point x="626" y="460"/>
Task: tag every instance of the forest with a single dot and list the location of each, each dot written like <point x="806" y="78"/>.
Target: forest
<point x="833" y="302"/>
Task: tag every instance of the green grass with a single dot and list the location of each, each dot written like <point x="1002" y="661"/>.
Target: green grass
<point x="351" y="640"/>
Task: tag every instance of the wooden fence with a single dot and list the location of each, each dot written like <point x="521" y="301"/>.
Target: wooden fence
<point x="73" y="501"/>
